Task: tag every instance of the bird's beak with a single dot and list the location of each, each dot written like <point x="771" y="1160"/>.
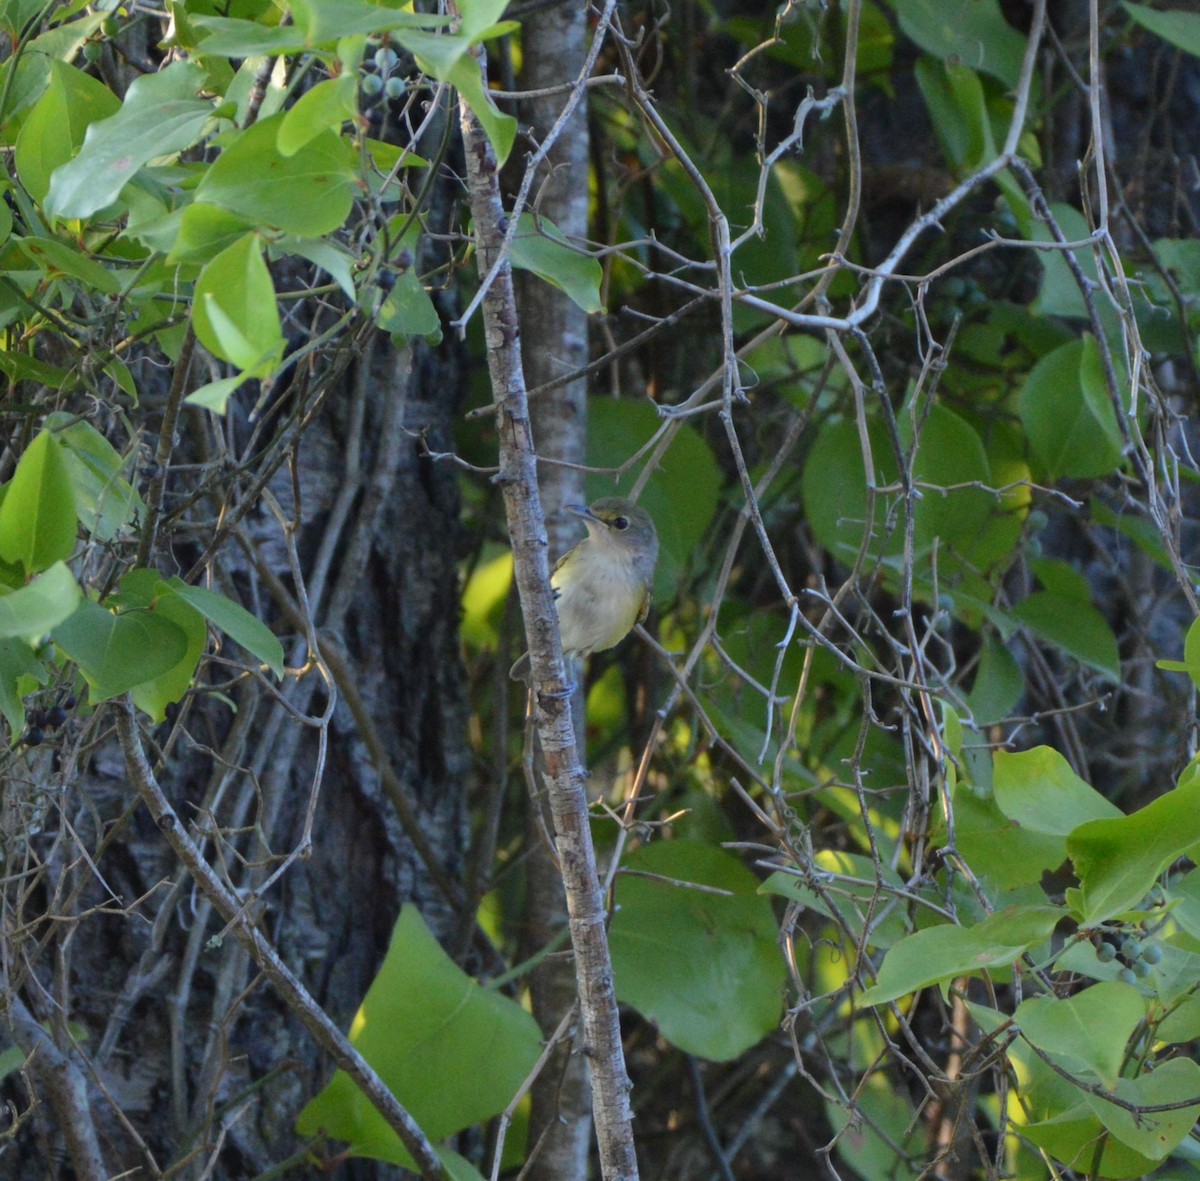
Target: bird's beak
<point x="582" y="510"/>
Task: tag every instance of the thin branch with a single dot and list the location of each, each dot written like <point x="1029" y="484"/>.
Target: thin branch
<point x="299" y="1001"/>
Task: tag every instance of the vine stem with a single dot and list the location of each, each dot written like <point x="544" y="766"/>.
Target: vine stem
<point x="286" y="983"/>
<point x="564" y="774"/>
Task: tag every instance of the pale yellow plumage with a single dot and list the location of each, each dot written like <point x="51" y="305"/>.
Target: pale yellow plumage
<point x="603" y="584"/>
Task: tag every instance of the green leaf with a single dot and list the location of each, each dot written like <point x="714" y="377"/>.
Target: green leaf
<point x="23" y="367"/>
<point x="1053" y="1114"/>
<point x="853" y="895"/>
<point x="235" y="621"/>
<point x="943" y="953"/>
<point x="37" y="518"/>
<point x="501" y="129"/>
<point x="408" y="310"/>
<point x="451" y="1052"/>
<point x="204" y="231"/>
<point x="540" y="246"/>
<point x="680" y="954"/>
<point x="975" y="34"/>
<point x="1140" y="531"/>
<point x="441" y="52"/>
<point x="1060" y="294"/>
<point x="1185" y="894"/>
<point x="998" y="848"/>
<point x="337" y="262"/>
<point x="956" y="522"/>
<point x="1153" y="1134"/>
<point x="105" y="499"/>
<point x="999" y="683"/>
<point x="484" y="598"/>
<point x="446" y="57"/>
<point x="33" y="610"/>
<point x="1118" y="860"/>
<point x="950" y="453"/>
<point x="229" y="37"/>
<point x="684" y="490"/>
<point x="234" y="309"/>
<point x="18" y="662"/>
<point x="325" y="21"/>
<point x="880" y="1133"/>
<point x="56" y="259"/>
<point x="1073" y="625"/>
<point x="146" y="589"/>
<point x="215" y="395"/>
<point x="159" y="117"/>
<point x="53" y="131"/>
<point x="1087" y="1034"/>
<point x="1067" y="414"/>
<point x="1176" y="26"/>
<point x="958" y="108"/>
<point x="325" y="107"/>
<point x="1037" y="789"/>
<point x="1190" y="663"/>
<point x="117" y="652"/>
<point x="308" y="193"/>
<point x="1182" y="1023"/>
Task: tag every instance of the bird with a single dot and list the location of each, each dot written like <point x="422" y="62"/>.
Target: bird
<point x="602" y="586"/>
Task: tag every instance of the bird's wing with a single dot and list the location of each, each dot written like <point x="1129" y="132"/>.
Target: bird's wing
<point x="645" y="603"/>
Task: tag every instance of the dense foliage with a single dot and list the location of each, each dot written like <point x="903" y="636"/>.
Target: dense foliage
<point x="894" y="320"/>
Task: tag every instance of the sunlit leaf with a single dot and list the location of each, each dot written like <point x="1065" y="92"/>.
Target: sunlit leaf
<point x="945" y="952"/>
<point x="234" y="312"/>
<point x="38" y="517"/>
<point x="160" y="116"/>
<point x="451" y="1052"/>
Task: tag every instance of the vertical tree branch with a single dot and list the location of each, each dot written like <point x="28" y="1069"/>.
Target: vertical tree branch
<point x="564" y="774"/>
<point x="556" y="344"/>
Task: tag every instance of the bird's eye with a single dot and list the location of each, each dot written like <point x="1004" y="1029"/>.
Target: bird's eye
<point x="621" y="523"/>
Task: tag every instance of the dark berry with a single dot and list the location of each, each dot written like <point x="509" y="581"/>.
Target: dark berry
<point x="55" y="716"/>
<point x="35" y="736"/>
<point x="36" y="717"/>
<point x="71" y="702"/>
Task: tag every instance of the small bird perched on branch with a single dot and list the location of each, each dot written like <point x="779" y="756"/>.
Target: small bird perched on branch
<point x="602" y="586"/>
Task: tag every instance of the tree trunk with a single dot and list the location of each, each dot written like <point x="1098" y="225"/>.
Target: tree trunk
<point x="160" y="1043"/>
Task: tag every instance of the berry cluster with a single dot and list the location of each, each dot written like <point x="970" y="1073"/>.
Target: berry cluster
<point x="383" y="79"/>
<point x="1138" y="956"/>
<point x="40" y="720"/>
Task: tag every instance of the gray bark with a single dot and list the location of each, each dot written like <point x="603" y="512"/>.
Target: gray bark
<point x="554" y="345"/>
<point x="179" y="1044"/>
